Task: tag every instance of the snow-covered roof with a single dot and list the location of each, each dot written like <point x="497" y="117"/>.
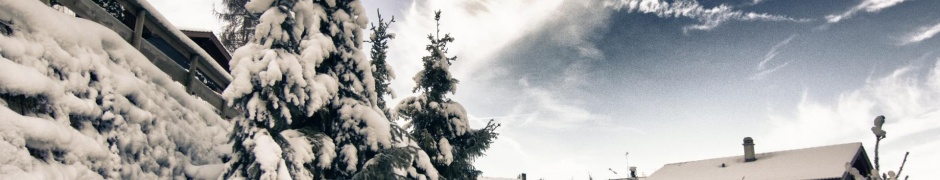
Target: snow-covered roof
<point x="194" y="29"/>
<point x="822" y="162"/>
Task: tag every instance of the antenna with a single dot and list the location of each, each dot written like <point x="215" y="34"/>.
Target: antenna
<point x="627" y="156"/>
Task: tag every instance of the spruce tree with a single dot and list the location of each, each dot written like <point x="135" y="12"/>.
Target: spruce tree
<point x="440" y="125"/>
<point x="239" y="24"/>
<point x="380" y="68"/>
<point x="309" y="98"/>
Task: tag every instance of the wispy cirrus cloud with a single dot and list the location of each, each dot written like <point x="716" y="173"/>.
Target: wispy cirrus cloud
<point x="762" y="69"/>
<point x="708" y="18"/>
<point x="921" y="34"/>
<point x="870" y="6"/>
<point x="549" y="110"/>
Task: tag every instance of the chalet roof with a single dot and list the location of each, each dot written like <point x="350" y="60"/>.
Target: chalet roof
<point x="824" y="162"/>
<point x="209" y="42"/>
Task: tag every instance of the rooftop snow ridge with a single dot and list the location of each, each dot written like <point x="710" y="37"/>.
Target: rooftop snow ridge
<point x="807" y="163"/>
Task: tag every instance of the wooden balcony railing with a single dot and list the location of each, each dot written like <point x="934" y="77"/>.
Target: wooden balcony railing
<point x="201" y="76"/>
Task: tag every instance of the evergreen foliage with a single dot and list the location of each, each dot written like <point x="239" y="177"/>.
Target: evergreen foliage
<point x="310" y="102"/>
<point x="440" y="125"/>
<point x="380" y="68"/>
<point x="239" y="24"/>
<point x="112" y="7"/>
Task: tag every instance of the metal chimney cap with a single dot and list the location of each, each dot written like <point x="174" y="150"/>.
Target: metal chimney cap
<point x="748" y="141"/>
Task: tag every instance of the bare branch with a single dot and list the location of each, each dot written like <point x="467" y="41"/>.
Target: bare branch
<point x="902" y="163"/>
<point x="877" y="143"/>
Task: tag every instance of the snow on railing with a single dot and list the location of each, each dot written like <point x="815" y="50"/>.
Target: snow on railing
<point x="203" y="77"/>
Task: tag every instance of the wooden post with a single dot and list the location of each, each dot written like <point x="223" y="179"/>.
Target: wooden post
<point x="223" y="110"/>
<point x="191" y="78"/>
<point x="139" y="28"/>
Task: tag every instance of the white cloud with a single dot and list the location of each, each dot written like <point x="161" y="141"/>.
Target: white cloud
<point x="551" y="111"/>
<point x="484" y="28"/>
<point x="910" y="100"/>
<point x="506" y="152"/>
<point x="193" y="15"/>
<point x="481" y="28"/>
<point x="870" y="6"/>
<point x="922" y="34"/>
<point x="708" y="18"/>
<point x="762" y="70"/>
<point x="545" y="109"/>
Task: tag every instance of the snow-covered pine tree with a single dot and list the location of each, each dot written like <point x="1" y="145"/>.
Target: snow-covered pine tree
<point x="440" y="125"/>
<point x="239" y="24"/>
<point x="381" y="70"/>
<point x="309" y="98"/>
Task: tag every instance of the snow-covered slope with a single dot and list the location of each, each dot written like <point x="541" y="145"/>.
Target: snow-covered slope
<point x="78" y="102"/>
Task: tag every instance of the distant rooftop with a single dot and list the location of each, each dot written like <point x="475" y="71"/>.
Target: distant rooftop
<point x="825" y="162"/>
<point x="211" y="43"/>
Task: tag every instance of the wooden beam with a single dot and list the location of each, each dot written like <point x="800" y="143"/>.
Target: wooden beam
<point x="158" y="29"/>
<point x="213" y="75"/>
<point x="191" y="78"/>
<point x="139" y="27"/>
<point x="167" y="65"/>
<point x="182" y="48"/>
<point x="207" y="94"/>
<point x="89" y="10"/>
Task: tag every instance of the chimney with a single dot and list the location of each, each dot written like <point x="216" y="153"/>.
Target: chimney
<point x="633" y="172"/>
<point x="749" y="150"/>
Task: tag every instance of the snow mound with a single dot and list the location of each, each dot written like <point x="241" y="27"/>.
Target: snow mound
<point x="84" y="104"/>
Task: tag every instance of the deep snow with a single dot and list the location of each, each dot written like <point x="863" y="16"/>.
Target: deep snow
<point x="86" y="105"/>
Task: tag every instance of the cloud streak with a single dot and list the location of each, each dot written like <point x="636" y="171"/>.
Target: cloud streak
<point x="708" y="18"/>
<point x="762" y="70"/>
<point x="551" y="111"/>
<point x="869" y="6"/>
<point x="922" y="34"/>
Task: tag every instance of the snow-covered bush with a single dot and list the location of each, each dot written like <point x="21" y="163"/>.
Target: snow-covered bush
<point x="84" y="104"/>
<point x="309" y="97"/>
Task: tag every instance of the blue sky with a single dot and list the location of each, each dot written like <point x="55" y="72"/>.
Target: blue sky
<point x="576" y="84"/>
